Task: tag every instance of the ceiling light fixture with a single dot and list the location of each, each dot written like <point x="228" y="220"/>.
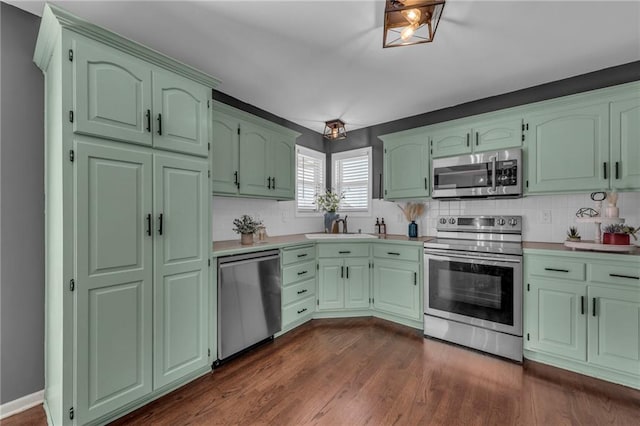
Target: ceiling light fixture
<point x="334" y="130"/>
<point x="408" y="22"/>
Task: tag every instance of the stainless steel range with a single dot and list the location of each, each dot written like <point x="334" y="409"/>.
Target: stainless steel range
<point x="473" y="283"/>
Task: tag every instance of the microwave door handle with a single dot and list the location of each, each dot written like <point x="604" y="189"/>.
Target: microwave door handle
<point x="493" y="174"/>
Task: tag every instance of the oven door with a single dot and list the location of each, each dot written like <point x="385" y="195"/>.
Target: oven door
<point x="483" y="290"/>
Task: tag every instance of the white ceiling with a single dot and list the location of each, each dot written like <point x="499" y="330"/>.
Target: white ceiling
<point x="311" y="61"/>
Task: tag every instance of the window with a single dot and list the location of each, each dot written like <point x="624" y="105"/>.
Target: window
<point x="352" y="176"/>
<point x="310" y="167"/>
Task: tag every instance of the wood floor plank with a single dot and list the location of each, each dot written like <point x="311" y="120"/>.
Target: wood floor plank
<point x="366" y="371"/>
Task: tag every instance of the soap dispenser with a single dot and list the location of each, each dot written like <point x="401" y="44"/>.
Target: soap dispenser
<point x="383" y="227"/>
<point x="377" y="225"/>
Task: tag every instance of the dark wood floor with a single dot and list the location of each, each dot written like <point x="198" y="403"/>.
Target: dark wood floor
<point x="369" y="371"/>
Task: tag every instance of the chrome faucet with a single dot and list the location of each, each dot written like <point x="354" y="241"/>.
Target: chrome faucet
<point x="344" y="225"/>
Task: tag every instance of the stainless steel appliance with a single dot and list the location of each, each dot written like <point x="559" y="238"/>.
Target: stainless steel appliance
<point x="484" y="175"/>
<point x="249" y="293"/>
<point x="473" y="283"/>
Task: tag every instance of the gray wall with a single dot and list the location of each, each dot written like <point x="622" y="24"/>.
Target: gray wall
<point x="369" y="135"/>
<point x="22" y="194"/>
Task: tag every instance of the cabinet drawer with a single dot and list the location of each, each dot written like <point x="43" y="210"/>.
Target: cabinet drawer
<point x="343" y="250"/>
<point x="298" y="310"/>
<point x="298" y="272"/>
<point x="298" y="291"/>
<point x="556" y="268"/>
<point x="614" y="274"/>
<point x="394" y="251"/>
<point x="298" y="254"/>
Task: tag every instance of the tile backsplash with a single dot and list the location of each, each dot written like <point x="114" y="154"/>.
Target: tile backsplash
<point x="280" y="218"/>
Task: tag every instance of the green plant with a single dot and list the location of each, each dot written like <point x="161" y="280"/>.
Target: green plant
<point x="573" y="233"/>
<point x="618" y="228"/>
<point x="329" y="201"/>
<point x="246" y="224"/>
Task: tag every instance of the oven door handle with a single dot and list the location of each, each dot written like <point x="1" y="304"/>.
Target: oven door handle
<point x="458" y="255"/>
<point x="493" y="174"/>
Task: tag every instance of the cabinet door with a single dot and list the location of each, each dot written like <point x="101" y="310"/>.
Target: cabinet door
<point x="568" y="149"/>
<point x="356" y="290"/>
<point x="112" y="94"/>
<point x="180" y="112"/>
<point x="450" y="141"/>
<point x="331" y="284"/>
<point x="282" y="168"/>
<point x="181" y="205"/>
<point x="396" y="288"/>
<point x="113" y="298"/>
<point x="406" y="168"/>
<point x="614" y="331"/>
<point x="625" y="144"/>
<point x="224" y="154"/>
<point x="254" y="160"/>
<point x="557" y="321"/>
<point x="497" y="134"/>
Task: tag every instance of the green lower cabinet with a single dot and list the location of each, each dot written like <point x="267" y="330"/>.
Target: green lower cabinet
<point x="396" y="288"/>
<point x="343" y="284"/>
<point x="614" y="328"/>
<point x="556" y="318"/>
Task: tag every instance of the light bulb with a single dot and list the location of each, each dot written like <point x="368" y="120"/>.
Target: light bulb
<point x="334" y="133"/>
<point x="408" y="31"/>
<point x="412" y="15"/>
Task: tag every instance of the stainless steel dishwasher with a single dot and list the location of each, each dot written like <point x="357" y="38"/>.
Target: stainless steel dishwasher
<point x="249" y="294"/>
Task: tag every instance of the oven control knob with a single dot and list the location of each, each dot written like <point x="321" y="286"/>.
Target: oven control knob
<point x="513" y="221"/>
<point x="500" y="221"/>
<point x="452" y="221"/>
<point x="443" y="220"/>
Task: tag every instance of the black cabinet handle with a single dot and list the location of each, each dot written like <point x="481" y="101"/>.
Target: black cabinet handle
<point x="594" y="306"/>
<point x="160" y="124"/>
<point x="467" y="139"/>
<point x="617" y="170"/>
<point x="555" y="270"/>
<point x="269" y="182"/>
<point x="604" y="167"/>
<point x="302" y="272"/>
<point x="393" y="253"/>
<point x="148" y="114"/>
<point x="273" y="183"/>
<point x="302" y="310"/>
<point x="425" y="183"/>
<point x="582" y="305"/>
<point x="160" y="224"/>
<point x="235" y="174"/>
<point x="345" y="252"/>
<point x="149" y="224"/>
<point x="415" y="278"/>
<point x="347" y="272"/>
<point x="342" y="272"/>
<point x="477" y="138"/>
<point x="302" y="255"/>
<point x="302" y="291"/>
<point x="631" y="277"/>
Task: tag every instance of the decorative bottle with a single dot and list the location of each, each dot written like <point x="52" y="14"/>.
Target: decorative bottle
<point x="413" y="229"/>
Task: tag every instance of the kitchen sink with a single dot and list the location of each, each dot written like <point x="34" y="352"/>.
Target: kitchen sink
<point x="338" y="236"/>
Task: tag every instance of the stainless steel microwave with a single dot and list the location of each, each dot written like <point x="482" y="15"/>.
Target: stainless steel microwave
<point x="492" y="174"/>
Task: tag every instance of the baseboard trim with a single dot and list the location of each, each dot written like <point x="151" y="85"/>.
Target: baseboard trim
<point x="21" y="404"/>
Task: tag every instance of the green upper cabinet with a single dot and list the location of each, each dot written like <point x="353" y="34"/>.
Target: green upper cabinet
<point x="450" y="140"/>
<point x="251" y="157"/>
<point x="117" y="96"/>
<point x="224" y="156"/>
<point x="112" y="93"/>
<point x="568" y="147"/>
<point x="406" y="165"/>
<point x="181" y="254"/>
<point x="625" y="143"/>
<point x="180" y="112"/>
<point x="497" y="133"/>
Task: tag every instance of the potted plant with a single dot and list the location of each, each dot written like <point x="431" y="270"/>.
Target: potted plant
<point x="246" y="226"/>
<point x="618" y="234"/>
<point x="329" y="203"/>
<point x="573" y="234"/>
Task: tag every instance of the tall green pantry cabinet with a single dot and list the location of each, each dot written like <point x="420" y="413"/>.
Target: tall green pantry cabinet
<point x="127" y="221"/>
